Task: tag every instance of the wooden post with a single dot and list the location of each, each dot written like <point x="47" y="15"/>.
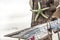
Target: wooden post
<point x="18" y="38"/>
<point x="58" y="36"/>
<point x="49" y="31"/>
<point x="35" y="6"/>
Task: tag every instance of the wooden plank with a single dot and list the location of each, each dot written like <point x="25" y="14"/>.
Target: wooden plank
<point x="21" y="35"/>
<point x="15" y="33"/>
<point x="30" y="33"/>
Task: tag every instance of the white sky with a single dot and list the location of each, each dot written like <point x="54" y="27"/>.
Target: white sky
<point x="14" y="13"/>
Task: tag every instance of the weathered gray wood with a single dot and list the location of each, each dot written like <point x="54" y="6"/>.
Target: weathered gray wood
<point x="17" y="32"/>
<point x="58" y="35"/>
<point x="22" y="35"/>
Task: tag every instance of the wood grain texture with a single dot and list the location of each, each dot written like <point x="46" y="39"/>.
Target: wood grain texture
<point x="49" y="13"/>
<point x="57" y="13"/>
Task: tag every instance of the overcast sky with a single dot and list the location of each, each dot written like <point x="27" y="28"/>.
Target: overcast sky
<point x="14" y="13"/>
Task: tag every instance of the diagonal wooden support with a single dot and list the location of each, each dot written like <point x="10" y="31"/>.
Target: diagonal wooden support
<point x="49" y="31"/>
